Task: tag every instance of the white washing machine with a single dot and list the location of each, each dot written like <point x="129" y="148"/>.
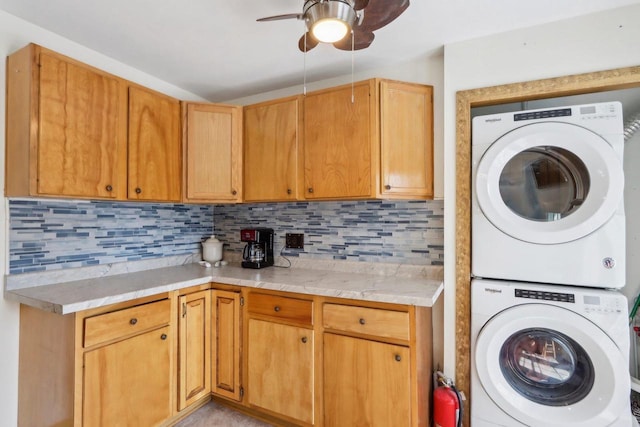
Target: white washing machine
<point x="547" y="196"/>
<point x="545" y="355"/>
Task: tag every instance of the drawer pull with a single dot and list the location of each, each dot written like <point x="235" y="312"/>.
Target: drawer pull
<point x="133" y="321"/>
<point x="109" y="188"/>
<point x="304" y="340"/>
<point x="398" y="358"/>
<point x="276" y="308"/>
<point x="163" y="337"/>
<point x="362" y="321"/>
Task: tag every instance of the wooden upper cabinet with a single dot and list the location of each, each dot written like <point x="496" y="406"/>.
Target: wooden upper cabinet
<point x="271" y="136"/>
<point x="340" y="142"/>
<point x="66" y="128"/>
<point x="154" y="146"/>
<point x="406" y="140"/>
<point x="213" y="152"/>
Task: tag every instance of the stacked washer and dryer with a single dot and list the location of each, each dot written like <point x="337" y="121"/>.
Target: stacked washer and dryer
<point x="549" y="330"/>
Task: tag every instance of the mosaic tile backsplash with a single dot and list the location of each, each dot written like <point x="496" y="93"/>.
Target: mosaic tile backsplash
<point x="399" y="232"/>
<point x="54" y="234"/>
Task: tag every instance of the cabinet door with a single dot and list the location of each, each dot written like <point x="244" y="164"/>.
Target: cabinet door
<point x="406" y="132"/>
<point x="365" y="383"/>
<point x="128" y="383"/>
<point x="154" y="146"/>
<point x="213" y="153"/>
<point x="79" y="127"/>
<point x="225" y="360"/>
<point x="280" y="364"/>
<point x="271" y="134"/>
<point x="339" y="142"/>
<point x="194" y="343"/>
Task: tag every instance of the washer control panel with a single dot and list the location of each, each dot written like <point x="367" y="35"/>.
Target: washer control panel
<point x="545" y="296"/>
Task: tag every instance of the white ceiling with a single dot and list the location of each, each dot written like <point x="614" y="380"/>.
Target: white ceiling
<point x="217" y="50"/>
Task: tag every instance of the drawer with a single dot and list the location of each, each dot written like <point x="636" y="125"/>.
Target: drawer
<point x="369" y="321"/>
<point x="285" y="308"/>
<point x="121" y="323"/>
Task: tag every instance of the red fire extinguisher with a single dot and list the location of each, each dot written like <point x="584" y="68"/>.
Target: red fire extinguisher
<point x="447" y="404"/>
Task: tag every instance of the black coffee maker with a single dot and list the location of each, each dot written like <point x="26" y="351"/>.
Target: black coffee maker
<point x="258" y="252"/>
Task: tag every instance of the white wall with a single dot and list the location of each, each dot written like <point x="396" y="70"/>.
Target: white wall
<point x="595" y="42"/>
<point x="14" y="34"/>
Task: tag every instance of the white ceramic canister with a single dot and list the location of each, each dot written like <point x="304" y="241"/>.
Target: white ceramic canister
<point x="212" y="249"/>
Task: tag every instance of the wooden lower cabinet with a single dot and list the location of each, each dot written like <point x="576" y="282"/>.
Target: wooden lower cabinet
<point x="194" y="347"/>
<point x="365" y="382"/>
<point x="297" y="360"/>
<point x="128" y="382"/>
<point x="280" y="377"/>
<point x="226" y="316"/>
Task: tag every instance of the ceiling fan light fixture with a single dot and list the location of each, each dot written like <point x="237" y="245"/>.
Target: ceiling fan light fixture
<point x="330" y="21"/>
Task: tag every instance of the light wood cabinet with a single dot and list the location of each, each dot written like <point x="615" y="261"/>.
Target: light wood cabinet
<point x="280" y="360"/>
<point x="372" y="140"/>
<point x="66" y="128"/>
<point x="213" y="152"/>
<point x="365" y="382"/>
<point x="97" y="367"/>
<point x="128" y="382"/>
<point x="226" y="360"/>
<point x="155" y="150"/>
<point x="340" y="142"/>
<point x="376" y="364"/>
<point x="406" y="140"/>
<point x="271" y="136"/>
<point x="194" y="347"/>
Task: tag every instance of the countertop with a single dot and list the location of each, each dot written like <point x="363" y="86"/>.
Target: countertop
<point x="77" y="295"/>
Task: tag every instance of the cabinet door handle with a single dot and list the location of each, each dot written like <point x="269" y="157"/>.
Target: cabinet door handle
<point x="276" y="308"/>
<point x="138" y="190"/>
<point x="184" y="309"/>
<point x="234" y="192"/>
<point x="133" y="321"/>
<point x="310" y="190"/>
<point x="387" y="187"/>
<point x="304" y="340"/>
<point x="362" y="321"/>
<point x="163" y="337"/>
<point x="108" y="188"/>
<point x="398" y="358"/>
<point x="288" y="191"/>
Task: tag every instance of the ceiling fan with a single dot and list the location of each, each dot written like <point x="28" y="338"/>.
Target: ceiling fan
<point x="329" y="21"/>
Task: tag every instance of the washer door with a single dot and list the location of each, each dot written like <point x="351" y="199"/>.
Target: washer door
<point x="548" y="366"/>
<point x="549" y="183"/>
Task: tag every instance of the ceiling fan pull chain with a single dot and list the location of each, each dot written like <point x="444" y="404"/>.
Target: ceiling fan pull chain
<point x="304" y="66"/>
<point x="353" y="100"/>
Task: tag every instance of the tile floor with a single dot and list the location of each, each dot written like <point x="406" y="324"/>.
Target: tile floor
<point x="214" y="415"/>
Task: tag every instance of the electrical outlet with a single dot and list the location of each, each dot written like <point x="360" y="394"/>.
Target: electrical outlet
<point x="294" y="241"/>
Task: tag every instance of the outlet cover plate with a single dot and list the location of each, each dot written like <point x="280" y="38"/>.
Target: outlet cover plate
<point x="294" y="241"/>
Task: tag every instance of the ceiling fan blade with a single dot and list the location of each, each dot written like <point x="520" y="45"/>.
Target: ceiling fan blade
<point x="360" y="4"/>
<point x="311" y="42"/>
<point x="362" y="40"/>
<point x="281" y="17"/>
<point x="381" y="12"/>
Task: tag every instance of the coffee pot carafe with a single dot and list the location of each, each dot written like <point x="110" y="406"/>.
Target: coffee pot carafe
<point x="258" y="252"/>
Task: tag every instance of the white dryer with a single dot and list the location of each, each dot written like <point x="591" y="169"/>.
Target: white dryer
<point x="547" y="196"/>
<point x="545" y="355"/>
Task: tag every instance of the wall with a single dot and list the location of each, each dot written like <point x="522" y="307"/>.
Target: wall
<point x="594" y="42"/>
<point x="398" y="232"/>
<point x="14" y="34"/>
<point x="50" y="235"/>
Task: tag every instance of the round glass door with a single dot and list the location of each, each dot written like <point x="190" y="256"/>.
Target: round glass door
<point x="549" y="182"/>
<point x="546" y="365"/>
<point x="544" y="183"/>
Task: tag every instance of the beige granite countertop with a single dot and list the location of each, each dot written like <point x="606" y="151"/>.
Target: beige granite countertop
<point x="327" y="279"/>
